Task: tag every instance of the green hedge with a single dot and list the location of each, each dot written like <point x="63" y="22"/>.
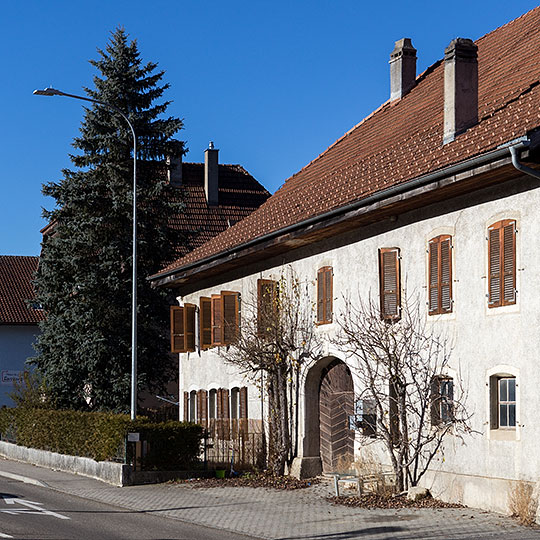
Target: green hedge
<point x="101" y="436"/>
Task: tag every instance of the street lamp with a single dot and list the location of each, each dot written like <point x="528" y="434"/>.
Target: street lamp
<point x="54" y="92"/>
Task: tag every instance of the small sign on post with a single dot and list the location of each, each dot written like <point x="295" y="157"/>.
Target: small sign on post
<point x="133" y="437"/>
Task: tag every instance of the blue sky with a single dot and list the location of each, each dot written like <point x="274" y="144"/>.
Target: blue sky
<point x="272" y="83"/>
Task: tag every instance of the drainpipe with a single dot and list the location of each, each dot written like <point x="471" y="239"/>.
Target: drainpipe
<point x="520" y="167"/>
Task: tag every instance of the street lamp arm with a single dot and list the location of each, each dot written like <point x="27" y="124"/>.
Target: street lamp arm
<point x="54" y="92"/>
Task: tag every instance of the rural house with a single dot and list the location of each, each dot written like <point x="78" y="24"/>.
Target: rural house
<point x="19" y="320"/>
<point x="433" y="196"/>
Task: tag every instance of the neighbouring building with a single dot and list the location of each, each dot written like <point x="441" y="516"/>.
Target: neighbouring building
<point x="19" y="319"/>
<point x="435" y="194"/>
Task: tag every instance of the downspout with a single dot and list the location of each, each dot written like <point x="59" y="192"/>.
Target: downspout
<point x="520" y="167"/>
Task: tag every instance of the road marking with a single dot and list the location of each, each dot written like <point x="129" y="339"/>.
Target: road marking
<point x="5" y="535"/>
<point x="31" y="508"/>
<point x="24" y="479"/>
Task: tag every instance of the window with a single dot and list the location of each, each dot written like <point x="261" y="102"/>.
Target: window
<point x="224" y="317"/>
<point x="182" y="328"/>
<point x="503" y="402"/>
<point x="389" y="281"/>
<point x="267" y="306"/>
<point x="442" y="400"/>
<point x="502" y="263"/>
<point x="212" y="403"/>
<point x="324" y="295"/>
<point x="440" y="275"/>
<point x="205" y="322"/>
<point x="192" y="406"/>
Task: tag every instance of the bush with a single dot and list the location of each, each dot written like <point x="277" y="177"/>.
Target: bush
<point x="522" y="503"/>
<point x="101" y="436"/>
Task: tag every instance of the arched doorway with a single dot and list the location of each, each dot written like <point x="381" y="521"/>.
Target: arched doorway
<point x="336" y="403"/>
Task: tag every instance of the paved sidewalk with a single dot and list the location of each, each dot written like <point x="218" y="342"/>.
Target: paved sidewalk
<point x="279" y="515"/>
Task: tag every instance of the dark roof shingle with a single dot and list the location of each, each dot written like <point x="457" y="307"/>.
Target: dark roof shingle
<point x="16" y="289"/>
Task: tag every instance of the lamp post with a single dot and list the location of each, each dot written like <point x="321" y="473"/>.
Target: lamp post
<point x="54" y="92"/>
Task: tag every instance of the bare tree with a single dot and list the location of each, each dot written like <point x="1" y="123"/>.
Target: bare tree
<point x="408" y="400"/>
<point x="277" y="336"/>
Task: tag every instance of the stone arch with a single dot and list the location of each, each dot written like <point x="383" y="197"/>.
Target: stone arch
<point x="315" y="378"/>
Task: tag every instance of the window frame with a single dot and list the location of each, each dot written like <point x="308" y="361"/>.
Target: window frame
<point x="440" y="400"/>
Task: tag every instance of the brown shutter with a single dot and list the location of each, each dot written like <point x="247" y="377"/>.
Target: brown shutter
<point x="199" y="406"/>
<point x="189" y="326"/>
<point x="509" y="262"/>
<point x="393" y="413"/>
<point x="389" y="269"/>
<point x="440" y="275"/>
<point x="225" y="403"/>
<point x="205" y="322"/>
<point x="434" y="276"/>
<point x="494" y="402"/>
<point x="219" y="403"/>
<point x="243" y="402"/>
<point x="204" y="408"/>
<point x="230" y="316"/>
<point x="445" y="245"/>
<point x="502" y="263"/>
<point x="178" y="343"/>
<point x="320" y="295"/>
<point x="266" y="306"/>
<point x="217" y="324"/>
<point x="435" y="401"/>
<point x="186" y="406"/>
<point x="328" y="293"/>
<point x="324" y="295"/>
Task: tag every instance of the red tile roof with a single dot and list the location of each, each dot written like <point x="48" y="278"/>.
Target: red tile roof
<point x="239" y="194"/>
<point x="403" y="139"/>
<point x="16" y="274"/>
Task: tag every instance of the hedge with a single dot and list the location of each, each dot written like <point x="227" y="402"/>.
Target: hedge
<point x="170" y="445"/>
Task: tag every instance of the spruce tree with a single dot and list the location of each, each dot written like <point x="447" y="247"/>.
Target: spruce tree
<point x="84" y="276"/>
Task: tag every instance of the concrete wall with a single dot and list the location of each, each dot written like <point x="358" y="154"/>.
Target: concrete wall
<point x="15" y="348"/>
<point x="486" y="341"/>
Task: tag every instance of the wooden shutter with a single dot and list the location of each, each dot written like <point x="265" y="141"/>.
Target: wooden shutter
<point x="324" y="295"/>
<point x="189" y="326"/>
<point x="435" y="401"/>
<point x="186" y="406"/>
<point x="205" y="322"/>
<point x="243" y="409"/>
<point x="217" y="324"/>
<point x="494" y="402"/>
<point x="389" y="279"/>
<point x="178" y="342"/>
<point x="229" y="311"/>
<point x="440" y="275"/>
<point x="203" y="410"/>
<point x="225" y="403"/>
<point x="502" y="263"/>
<point x="266" y="306"/>
<point x="393" y="412"/>
<point x="219" y="403"/>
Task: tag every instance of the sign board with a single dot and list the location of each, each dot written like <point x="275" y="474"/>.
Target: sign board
<point x="133" y="437"/>
<point x="9" y="376"/>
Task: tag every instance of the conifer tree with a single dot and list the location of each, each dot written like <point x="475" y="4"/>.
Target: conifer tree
<point x="84" y="276"/>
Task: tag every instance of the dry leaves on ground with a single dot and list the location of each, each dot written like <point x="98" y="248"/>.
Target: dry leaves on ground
<point x="372" y="501"/>
<point x="255" y="480"/>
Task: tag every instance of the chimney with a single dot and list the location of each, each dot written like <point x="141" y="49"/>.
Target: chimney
<point x="174" y="172"/>
<point x="211" y="178"/>
<point x="460" y="87"/>
<point x="402" y="68"/>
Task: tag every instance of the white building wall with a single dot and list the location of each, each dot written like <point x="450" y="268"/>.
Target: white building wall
<point x="15" y="348"/>
<point x="485" y="340"/>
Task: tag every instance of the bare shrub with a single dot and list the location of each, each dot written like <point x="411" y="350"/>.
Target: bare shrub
<point x="522" y="503"/>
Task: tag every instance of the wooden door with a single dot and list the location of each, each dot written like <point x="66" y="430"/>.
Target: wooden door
<point x="336" y="403"/>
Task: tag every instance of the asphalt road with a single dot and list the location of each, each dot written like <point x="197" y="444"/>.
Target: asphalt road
<point x="31" y="512"/>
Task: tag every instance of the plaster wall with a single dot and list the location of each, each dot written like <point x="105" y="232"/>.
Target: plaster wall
<point x="485" y="341"/>
<point x="15" y="348"/>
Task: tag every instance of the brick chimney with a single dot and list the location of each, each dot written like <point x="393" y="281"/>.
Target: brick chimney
<point x="402" y="68"/>
<point x="175" y="170"/>
<point x="460" y="87"/>
<point x="211" y="175"/>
